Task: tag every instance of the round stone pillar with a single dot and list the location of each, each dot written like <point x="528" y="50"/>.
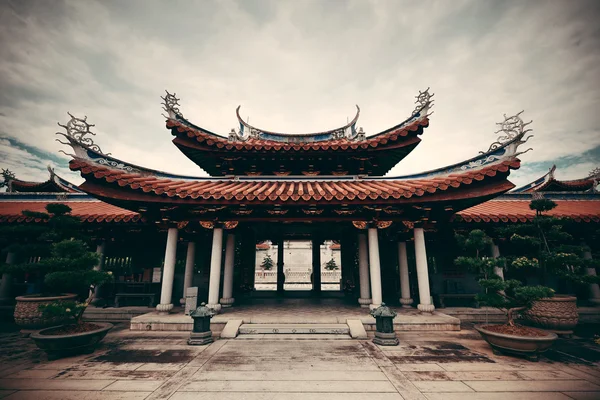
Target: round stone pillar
<point x="100" y="250"/>
<point x="168" y="272"/>
<point x="188" y="275"/>
<point x="215" y="270"/>
<point x="363" y="270"/>
<point x="496" y="254"/>
<point x="375" y="268"/>
<point x="594" y="289"/>
<point x="405" y="298"/>
<point x="422" y="272"/>
<point x="228" y="299"/>
<point x="6" y="283"/>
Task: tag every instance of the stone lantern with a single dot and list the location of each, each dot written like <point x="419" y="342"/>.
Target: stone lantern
<point x="384" y="325"/>
<point x="201" y="333"/>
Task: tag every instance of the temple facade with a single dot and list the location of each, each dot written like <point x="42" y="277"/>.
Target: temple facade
<point x="392" y="234"/>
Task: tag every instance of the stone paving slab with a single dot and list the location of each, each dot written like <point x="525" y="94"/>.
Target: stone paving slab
<point x="78" y="395"/>
<point x="290" y="386"/>
<point x="155" y="366"/>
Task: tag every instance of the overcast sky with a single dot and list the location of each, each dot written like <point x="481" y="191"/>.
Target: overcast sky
<point x="300" y="66"/>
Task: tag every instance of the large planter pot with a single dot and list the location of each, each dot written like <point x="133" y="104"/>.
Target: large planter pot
<point x="57" y="346"/>
<point x="557" y="314"/>
<point x="28" y="316"/>
<point x="530" y="347"/>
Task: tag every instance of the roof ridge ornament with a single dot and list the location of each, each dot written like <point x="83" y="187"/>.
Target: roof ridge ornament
<point x="171" y="105"/>
<point x="77" y="131"/>
<point x="595" y="173"/>
<point x="513" y="129"/>
<point x="424" y="101"/>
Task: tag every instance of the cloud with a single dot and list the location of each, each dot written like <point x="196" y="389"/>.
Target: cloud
<point x="301" y="66"/>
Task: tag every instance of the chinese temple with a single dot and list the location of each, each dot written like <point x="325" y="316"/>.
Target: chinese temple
<point x="394" y="233"/>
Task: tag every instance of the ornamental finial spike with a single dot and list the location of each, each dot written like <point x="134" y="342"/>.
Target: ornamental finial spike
<point x="424" y="102"/>
<point x="77" y="131"/>
<point x="171" y="105"/>
<point x="595" y="173"/>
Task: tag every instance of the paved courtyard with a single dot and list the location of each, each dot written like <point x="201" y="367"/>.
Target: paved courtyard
<point x="435" y="365"/>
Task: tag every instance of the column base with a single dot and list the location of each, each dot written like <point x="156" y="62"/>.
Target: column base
<point x="164" y="308"/>
<point x="595" y="301"/>
<point x="364" y="303"/>
<point x="406" y="303"/>
<point x="215" y="307"/>
<point x="227" y="302"/>
<point x="429" y="308"/>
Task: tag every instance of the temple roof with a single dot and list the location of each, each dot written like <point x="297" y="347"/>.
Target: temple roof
<point x="548" y="183"/>
<point x="450" y="188"/>
<point x="55" y="184"/>
<point x="82" y="205"/>
<point x="340" y="151"/>
<point x="515" y="208"/>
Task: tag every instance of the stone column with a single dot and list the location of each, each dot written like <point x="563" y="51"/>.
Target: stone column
<point x="316" y="265"/>
<point x="6" y="284"/>
<point x="405" y="298"/>
<point x="188" y="275"/>
<point x="496" y="254"/>
<point x="375" y="268"/>
<point x="594" y="289"/>
<point x="215" y="269"/>
<point x="228" y="299"/>
<point x="168" y="272"/>
<point x="422" y="272"/>
<point x="363" y="270"/>
<point x="100" y="250"/>
<point x="280" y="272"/>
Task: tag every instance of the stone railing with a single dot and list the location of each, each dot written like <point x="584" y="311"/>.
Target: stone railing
<point x="296" y="276"/>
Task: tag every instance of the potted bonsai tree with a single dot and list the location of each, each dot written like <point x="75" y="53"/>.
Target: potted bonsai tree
<point x="70" y="270"/>
<point x="509" y="296"/>
<point x="512" y="297"/>
<point x="547" y="247"/>
<point x="60" y="266"/>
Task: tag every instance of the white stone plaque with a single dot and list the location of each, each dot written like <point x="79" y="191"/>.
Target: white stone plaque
<point x="156" y="274"/>
<point x="191" y="299"/>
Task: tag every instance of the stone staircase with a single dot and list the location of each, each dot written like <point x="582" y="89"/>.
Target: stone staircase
<point x="281" y="331"/>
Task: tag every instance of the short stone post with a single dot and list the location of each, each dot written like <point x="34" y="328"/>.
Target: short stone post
<point x="201" y="333"/>
<point x="191" y="299"/>
<point x="384" y="325"/>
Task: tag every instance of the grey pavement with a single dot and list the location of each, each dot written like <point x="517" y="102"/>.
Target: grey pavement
<point x="426" y="365"/>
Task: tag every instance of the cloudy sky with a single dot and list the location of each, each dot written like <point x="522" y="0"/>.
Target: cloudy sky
<point x="298" y="66"/>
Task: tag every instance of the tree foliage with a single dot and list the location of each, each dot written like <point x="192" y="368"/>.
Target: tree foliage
<point x="267" y="263"/>
<point x="331" y="265"/>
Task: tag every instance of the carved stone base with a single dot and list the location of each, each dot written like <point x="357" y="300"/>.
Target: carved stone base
<point x="386" y="339"/>
<point x="364" y="302"/>
<point x="227" y="302"/>
<point x="406" y="303"/>
<point x="200" y="338"/>
<point x="215" y="307"/>
<point x="164" y="308"/>
<point x="429" y="308"/>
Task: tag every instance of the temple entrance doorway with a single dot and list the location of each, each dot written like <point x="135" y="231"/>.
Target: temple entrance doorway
<point x="298" y="266"/>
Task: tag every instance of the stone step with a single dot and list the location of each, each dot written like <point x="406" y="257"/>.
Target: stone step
<point x="296" y="336"/>
<point x="295" y="329"/>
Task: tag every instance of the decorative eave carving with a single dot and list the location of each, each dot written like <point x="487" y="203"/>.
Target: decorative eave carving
<point x="423" y="103"/>
<point x="76" y="132"/>
<point x="230" y="224"/>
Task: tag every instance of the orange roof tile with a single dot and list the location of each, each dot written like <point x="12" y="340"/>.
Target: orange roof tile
<point x="267" y="145"/>
<point x="287" y="189"/>
<point x="88" y="211"/>
<point x="519" y="211"/>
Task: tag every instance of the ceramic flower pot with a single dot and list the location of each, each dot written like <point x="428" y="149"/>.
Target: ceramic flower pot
<point x="28" y="316"/>
<point x="527" y="346"/>
<point x="557" y="314"/>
